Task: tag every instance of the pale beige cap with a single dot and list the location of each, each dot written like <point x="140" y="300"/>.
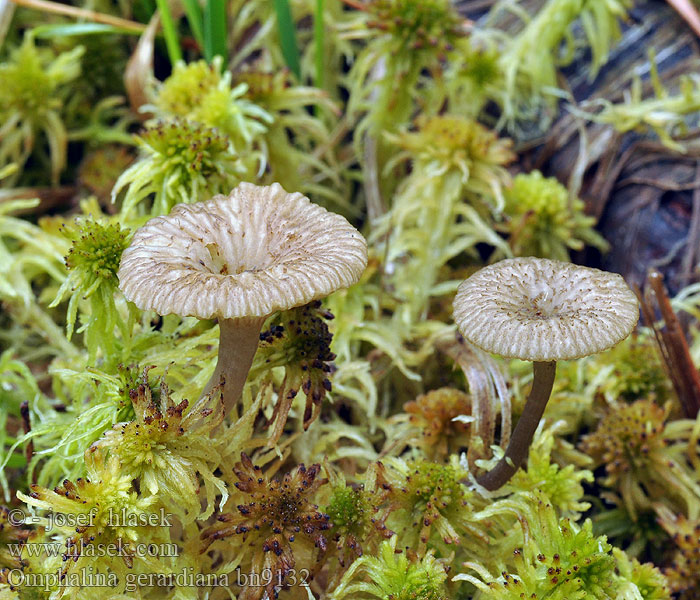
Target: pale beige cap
<point x="248" y="254"/>
<point x="542" y="310"/>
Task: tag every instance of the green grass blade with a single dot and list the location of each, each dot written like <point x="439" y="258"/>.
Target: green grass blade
<point x="288" y="40"/>
<point x="194" y="18"/>
<point x="215" y="22"/>
<point x="69" y="29"/>
<point x="318" y="43"/>
<point x="172" y="41"/>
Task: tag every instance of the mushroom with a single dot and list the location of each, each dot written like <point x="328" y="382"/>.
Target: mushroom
<point x="240" y="258"/>
<point x="543" y="311"/>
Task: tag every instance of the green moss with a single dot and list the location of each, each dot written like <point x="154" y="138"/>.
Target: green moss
<point x="559" y="559"/>
<point x="431" y="505"/>
<point x="544" y="222"/>
<point x="407" y="36"/>
<point x="299" y="341"/>
<point x="428" y="25"/>
<point x="562" y="486"/>
<point x="430" y="479"/>
<point x="166" y="446"/>
<point x="181" y="161"/>
<point x="92" y="263"/>
<point x="199" y="92"/>
<point x="644" y="578"/>
<point x="34" y="87"/>
<point x="348" y="508"/>
<point x="98" y="251"/>
<point x="636" y="373"/>
<point x="107" y="510"/>
<point x="665" y="114"/>
<point x="648" y="459"/>
<point x="394" y="574"/>
<point x="185" y="89"/>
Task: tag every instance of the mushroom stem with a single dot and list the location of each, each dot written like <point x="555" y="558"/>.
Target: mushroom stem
<point x="238" y="341"/>
<point x="524" y="431"/>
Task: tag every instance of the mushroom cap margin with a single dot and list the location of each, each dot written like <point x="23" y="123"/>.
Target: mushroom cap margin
<point x="249" y="254"/>
<point x="539" y="309"/>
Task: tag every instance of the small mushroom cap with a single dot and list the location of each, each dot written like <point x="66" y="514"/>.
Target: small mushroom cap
<point x="249" y="254"/>
<point x="542" y="310"/>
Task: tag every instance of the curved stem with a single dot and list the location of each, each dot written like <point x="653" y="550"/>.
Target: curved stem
<point x="80" y="13"/>
<point x="524" y="431"/>
<point x="238" y="341"/>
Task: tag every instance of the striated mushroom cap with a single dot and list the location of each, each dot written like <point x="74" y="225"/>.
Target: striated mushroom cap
<point x="542" y="310"/>
<point x="249" y="254"/>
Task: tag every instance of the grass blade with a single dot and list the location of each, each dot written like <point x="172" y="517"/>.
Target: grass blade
<point x="288" y="41"/>
<point x="194" y="18"/>
<point x="318" y="43"/>
<point x="215" y="23"/>
<point x="79" y="13"/>
<point x="69" y="29"/>
<point x="172" y="41"/>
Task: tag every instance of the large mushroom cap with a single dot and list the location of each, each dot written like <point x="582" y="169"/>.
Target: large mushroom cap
<point x="542" y="310"/>
<point x="248" y="254"/>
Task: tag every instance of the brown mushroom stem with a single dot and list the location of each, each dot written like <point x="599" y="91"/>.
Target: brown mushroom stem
<point x="524" y="431"/>
<point x="238" y="341"/>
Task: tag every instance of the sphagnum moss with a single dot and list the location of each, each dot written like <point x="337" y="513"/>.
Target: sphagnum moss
<point x="167" y="448"/>
<point x="429" y="506"/>
<point x="434" y="423"/>
<point x="406" y="36"/>
<point x="647" y="458"/>
<point x="35" y="84"/>
<point x="395" y="574"/>
<point x="104" y="509"/>
<point x="398" y="132"/>
<point x="683" y="573"/>
<point x="92" y="263"/>
<point x="279" y="525"/>
<point x="181" y="161"/>
<point x="349" y="510"/>
<point x="543" y="222"/>
<point x="200" y="92"/>
<point x="299" y="341"/>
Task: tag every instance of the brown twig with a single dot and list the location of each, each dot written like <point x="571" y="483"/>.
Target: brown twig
<point x="668" y="186"/>
<point x="80" y="13"/>
<point x="355" y="4"/>
<point x="673" y="345"/>
<point x="49" y="198"/>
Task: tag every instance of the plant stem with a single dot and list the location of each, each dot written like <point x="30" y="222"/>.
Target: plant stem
<point x="519" y="445"/>
<point x="318" y="43"/>
<point x="170" y="32"/>
<point x="194" y="18"/>
<point x="672" y="345"/>
<point x="238" y="341"/>
<point x="80" y="13"/>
